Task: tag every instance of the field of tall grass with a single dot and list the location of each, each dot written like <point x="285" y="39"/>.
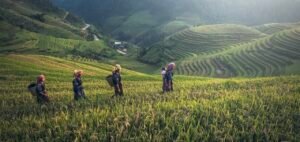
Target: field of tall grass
<point x="199" y="109"/>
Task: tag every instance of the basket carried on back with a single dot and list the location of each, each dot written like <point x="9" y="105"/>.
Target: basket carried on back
<point x="32" y="89"/>
<point x="109" y="80"/>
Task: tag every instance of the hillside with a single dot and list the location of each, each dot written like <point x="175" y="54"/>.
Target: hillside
<point x="133" y="20"/>
<point x="41" y="17"/>
<point x="273" y="55"/>
<point x="276" y="27"/>
<point x="199" y="108"/>
<point x="38" y="27"/>
<point x="232" y="82"/>
<point x="199" y="40"/>
<point x="16" y="40"/>
<point x="230" y="50"/>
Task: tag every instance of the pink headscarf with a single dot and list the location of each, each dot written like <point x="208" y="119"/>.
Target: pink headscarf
<point x="171" y="66"/>
<point x="41" y="78"/>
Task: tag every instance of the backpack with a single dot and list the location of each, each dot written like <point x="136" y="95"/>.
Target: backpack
<point x="32" y="89"/>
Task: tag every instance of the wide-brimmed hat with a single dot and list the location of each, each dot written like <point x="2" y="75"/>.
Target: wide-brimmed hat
<point x="41" y="78"/>
<point x="78" y="72"/>
<point x="117" y="67"/>
<point x="171" y="66"/>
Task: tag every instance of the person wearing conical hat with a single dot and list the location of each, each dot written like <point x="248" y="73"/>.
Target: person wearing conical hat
<point x="77" y="85"/>
<point x="42" y="96"/>
<point x="117" y="80"/>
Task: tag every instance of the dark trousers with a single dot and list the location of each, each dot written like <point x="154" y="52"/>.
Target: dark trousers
<point x="169" y="85"/>
<point x="79" y="95"/>
<point x="118" y="89"/>
<point x="42" y="99"/>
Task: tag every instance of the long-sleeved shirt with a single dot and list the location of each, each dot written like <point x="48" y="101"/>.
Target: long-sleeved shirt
<point x="41" y="89"/>
<point x="77" y="85"/>
<point x="169" y="76"/>
<point x="116" y="78"/>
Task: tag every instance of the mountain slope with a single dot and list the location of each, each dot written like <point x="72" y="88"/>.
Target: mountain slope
<point x="15" y="40"/>
<point x="41" y="17"/>
<point x="276" y="54"/>
<point x="246" y="107"/>
<point x="197" y="41"/>
<point x="38" y="27"/>
<point x="133" y="19"/>
<point x="276" y="27"/>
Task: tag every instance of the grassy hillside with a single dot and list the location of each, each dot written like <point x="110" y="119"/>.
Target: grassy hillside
<point x="131" y="19"/>
<point x="276" y="27"/>
<point x="149" y="38"/>
<point x="17" y="40"/>
<point x="276" y="54"/>
<point x="200" y="109"/>
<point x="41" y="17"/>
<point x="38" y="27"/>
<point x="197" y="41"/>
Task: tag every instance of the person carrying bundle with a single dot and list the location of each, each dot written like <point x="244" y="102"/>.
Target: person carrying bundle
<point x="164" y="83"/>
<point x="117" y="80"/>
<point x="169" y="77"/>
<point x="42" y="96"/>
<point x="77" y="85"/>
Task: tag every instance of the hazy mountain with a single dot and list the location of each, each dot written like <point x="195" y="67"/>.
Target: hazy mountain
<point x="141" y="19"/>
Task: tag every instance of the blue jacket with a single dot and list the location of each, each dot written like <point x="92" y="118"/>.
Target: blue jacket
<point x="40" y="89"/>
<point x="169" y="76"/>
<point x="77" y="86"/>
<point x="116" y="78"/>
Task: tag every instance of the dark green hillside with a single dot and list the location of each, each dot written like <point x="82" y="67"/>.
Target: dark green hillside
<point x="41" y="17"/>
<point x="38" y="27"/>
<point x="133" y="20"/>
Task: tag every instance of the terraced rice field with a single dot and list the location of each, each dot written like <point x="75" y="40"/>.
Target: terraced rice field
<point x="269" y="56"/>
<point x="200" y="109"/>
<point x="275" y="27"/>
<point x="203" y="40"/>
<point x="198" y="41"/>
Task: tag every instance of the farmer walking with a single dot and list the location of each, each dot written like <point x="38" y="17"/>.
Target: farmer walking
<point x="77" y="85"/>
<point x="169" y="77"/>
<point x="117" y="80"/>
<point x="42" y="96"/>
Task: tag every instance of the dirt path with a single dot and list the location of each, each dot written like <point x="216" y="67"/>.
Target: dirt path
<point x="96" y="37"/>
<point x="66" y="15"/>
<point x="121" y="52"/>
<point x="86" y="27"/>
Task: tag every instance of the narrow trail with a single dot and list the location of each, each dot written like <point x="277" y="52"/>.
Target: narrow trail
<point x="96" y="38"/>
<point x="94" y="35"/>
<point x="121" y="52"/>
<point x="66" y="15"/>
<point x="86" y="27"/>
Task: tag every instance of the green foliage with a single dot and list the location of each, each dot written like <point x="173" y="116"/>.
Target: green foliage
<point x="15" y="40"/>
<point x="200" y="109"/>
<point x="41" y="17"/>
